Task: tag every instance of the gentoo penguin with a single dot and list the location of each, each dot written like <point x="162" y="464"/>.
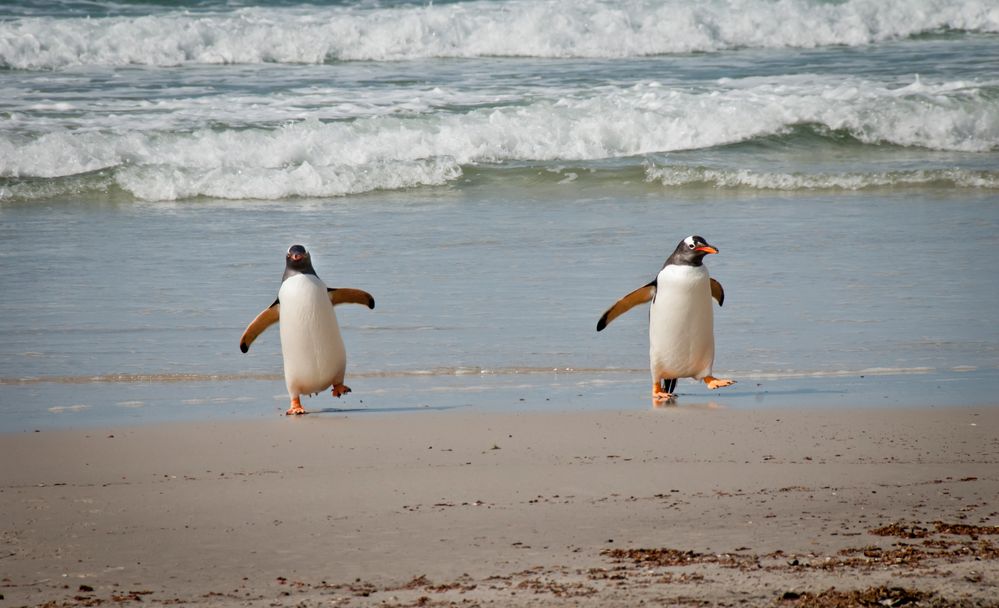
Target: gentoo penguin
<point x="681" y="322"/>
<point x="314" y="356"/>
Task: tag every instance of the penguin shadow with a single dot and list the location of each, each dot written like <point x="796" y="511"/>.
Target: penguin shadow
<point x="757" y="395"/>
<point x="704" y="405"/>
<point x="384" y="410"/>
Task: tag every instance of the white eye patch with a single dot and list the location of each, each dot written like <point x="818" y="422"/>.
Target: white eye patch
<point x="689" y="241"/>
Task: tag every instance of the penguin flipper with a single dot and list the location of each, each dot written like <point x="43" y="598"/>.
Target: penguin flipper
<point x="640" y="296"/>
<point x="257" y="326"/>
<point x="717" y="292"/>
<point x="345" y="295"/>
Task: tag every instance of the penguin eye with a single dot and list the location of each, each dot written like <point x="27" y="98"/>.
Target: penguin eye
<point x="690" y="245"/>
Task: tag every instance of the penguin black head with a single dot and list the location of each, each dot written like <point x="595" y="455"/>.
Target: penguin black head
<point x="298" y="261"/>
<point x="690" y="252"/>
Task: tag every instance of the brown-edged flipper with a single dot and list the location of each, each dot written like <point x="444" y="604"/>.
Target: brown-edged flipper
<point x="346" y="295"/>
<point x="640" y="296"/>
<point x="256" y="327"/>
<point x="717" y="292"/>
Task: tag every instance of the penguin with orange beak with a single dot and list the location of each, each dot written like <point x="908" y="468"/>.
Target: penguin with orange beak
<point x="314" y="355"/>
<point x="681" y="319"/>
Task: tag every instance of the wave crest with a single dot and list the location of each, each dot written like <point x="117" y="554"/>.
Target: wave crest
<point x="303" y="180"/>
<point x="313" y="158"/>
<point x="518" y="28"/>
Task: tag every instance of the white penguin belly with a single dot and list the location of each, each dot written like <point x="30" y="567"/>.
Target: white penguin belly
<point x="313" y="351"/>
<point x="681" y="324"/>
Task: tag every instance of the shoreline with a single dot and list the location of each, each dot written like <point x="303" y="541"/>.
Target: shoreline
<point x="41" y="405"/>
<point x="684" y="505"/>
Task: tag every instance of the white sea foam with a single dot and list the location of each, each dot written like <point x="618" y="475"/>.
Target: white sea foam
<point x="189" y="108"/>
<point x="745" y="178"/>
<point x="61" y="409"/>
<point x="389" y="150"/>
<point x="517" y="28"/>
<point x="302" y="180"/>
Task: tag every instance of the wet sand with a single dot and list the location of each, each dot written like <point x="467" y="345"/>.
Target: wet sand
<point x="685" y="505"/>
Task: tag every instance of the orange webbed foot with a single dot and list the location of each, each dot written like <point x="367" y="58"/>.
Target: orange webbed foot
<point x="713" y="383"/>
<point x="661" y="393"/>
<point x="660" y="398"/>
<point x="339" y="390"/>
<point x="296" y="408"/>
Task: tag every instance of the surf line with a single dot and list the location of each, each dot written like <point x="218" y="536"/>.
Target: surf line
<point x="451" y="371"/>
<point x="180" y="377"/>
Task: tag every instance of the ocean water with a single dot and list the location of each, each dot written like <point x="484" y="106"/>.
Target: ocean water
<point x="497" y="174"/>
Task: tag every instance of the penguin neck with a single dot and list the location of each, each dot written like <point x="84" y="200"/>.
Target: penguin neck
<point x="681" y="258"/>
<point x="294" y="272"/>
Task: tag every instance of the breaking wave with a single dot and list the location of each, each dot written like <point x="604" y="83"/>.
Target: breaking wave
<point x="313" y="158"/>
<point x="516" y="28"/>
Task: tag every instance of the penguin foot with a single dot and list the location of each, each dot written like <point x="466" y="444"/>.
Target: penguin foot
<point x="662" y="392"/>
<point x="714" y="383"/>
<point x="660" y="398"/>
<point x="339" y="390"/>
<point x="296" y="408"/>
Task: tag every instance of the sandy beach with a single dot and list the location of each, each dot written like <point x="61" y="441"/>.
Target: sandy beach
<point x="685" y="505"/>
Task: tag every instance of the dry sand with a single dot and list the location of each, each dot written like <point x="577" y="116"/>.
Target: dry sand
<point x="686" y="505"/>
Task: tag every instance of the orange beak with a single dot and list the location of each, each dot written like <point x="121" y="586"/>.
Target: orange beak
<point x="707" y="249"/>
